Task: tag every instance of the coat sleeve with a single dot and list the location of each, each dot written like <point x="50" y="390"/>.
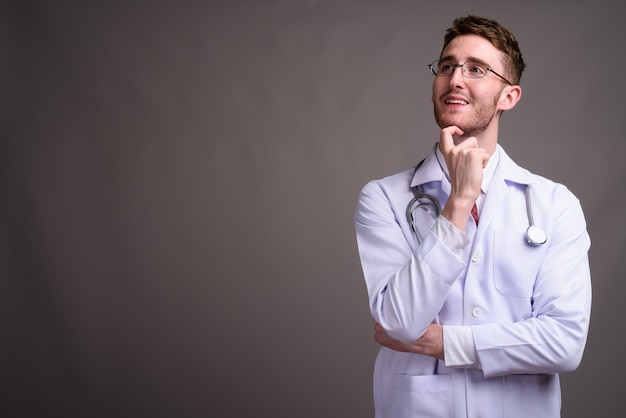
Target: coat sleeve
<point x="406" y="288"/>
<point x="552" y="340"/>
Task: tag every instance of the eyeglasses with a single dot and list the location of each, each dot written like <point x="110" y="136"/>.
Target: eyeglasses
<point x="470" y="69"/>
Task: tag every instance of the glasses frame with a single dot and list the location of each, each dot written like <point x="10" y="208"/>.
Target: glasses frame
<point x="432" y="67"/>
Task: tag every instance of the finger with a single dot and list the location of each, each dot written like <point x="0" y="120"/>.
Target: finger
<point x="485" y="158"/>
<point x="446" y="141"/>
<point x="468" y="143"/>
<point x="478" y="155"/>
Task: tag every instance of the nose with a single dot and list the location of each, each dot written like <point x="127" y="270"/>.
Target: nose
<point x="457" y="78"/>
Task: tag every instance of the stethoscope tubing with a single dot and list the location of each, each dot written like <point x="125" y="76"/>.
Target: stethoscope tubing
<point x="535" y="236"/>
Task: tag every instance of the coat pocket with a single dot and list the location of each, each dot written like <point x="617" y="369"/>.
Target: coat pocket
<point x="515" y="264"/>
<point x="420" y="396"/>
<point x="537" y="395"/>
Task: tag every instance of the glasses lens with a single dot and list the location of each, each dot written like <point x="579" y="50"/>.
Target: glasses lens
<point x="471" y="69"/>
<point x="474" y="69"/>
<point x="443" y="68"/>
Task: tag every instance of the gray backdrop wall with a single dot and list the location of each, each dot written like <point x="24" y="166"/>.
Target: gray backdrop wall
<point x="178" y="179"/>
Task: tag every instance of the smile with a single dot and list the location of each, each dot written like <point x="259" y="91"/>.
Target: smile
<point x="456" y="101"/>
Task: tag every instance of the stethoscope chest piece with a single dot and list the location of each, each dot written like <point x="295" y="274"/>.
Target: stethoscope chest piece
<point x="535" y="236"/>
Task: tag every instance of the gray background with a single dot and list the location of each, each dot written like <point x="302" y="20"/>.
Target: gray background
<point x="178" y="179"/>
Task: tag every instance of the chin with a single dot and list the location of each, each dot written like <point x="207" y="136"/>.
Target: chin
<point x="470" y="127"/>
<point x="445" y="121"/>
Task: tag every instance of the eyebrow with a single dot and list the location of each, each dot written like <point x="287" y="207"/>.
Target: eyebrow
<point x="472" y="59"/>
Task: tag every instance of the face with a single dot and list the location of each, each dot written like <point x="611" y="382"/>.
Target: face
<point x="471" y="104"/>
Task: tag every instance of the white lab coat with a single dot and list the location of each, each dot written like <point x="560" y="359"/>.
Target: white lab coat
<point x="529" y="307"/>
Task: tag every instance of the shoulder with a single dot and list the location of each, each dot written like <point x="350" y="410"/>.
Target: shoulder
<point x="514" y="173"/>
<point x="552" y="193"/>
<point x="385" y="197"/>
<point x="545" y="193"/>
<point x="390" y="185"/>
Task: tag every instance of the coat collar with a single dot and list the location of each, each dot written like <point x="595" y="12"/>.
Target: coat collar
<point x="430" y="171"/>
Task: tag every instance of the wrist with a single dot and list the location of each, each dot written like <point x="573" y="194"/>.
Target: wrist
<point x="457" y="210"/>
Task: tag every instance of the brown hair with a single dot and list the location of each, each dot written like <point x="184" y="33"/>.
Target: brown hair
<point x="499" y="36"/>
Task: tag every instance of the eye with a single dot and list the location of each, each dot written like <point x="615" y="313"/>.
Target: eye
<point x="445" y="67"/>
<point x="475" y="69"/>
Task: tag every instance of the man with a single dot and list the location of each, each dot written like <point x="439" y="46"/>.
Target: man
<point x="475" y="318"/>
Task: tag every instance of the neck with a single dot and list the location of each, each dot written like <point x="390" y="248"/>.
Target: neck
<point x="487" y="138"/>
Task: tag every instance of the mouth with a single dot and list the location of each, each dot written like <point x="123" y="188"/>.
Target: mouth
<point x="456" y="102"/>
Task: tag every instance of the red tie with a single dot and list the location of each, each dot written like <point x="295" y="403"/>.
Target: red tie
<point x="475" y="213"/>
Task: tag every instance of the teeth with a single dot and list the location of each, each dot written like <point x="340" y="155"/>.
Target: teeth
<point x="461" y="102"/>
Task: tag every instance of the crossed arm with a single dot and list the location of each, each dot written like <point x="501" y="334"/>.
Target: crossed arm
<point x="430" y="343"/>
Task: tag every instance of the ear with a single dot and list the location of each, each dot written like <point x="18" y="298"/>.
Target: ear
<point x="509" y="97"/>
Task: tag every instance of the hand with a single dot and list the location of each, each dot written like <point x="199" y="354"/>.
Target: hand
<point x="430" y="343"/>
<point x="465" y="162"/>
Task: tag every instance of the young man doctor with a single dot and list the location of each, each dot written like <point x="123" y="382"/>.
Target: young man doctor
<point x="474" y="319"/>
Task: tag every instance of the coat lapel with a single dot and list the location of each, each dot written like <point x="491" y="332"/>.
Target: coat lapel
<point x="507" y="171"/>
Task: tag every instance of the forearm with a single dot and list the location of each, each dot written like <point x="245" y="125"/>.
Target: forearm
<point x="429" y="344"/>
<point x="454" y="344"/>
<point x="536" y="345"/>
<point x="410" y="299"/>
<point x="515" y="354"/>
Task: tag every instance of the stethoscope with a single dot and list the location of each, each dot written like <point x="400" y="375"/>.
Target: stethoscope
<point x="535" y="236"/>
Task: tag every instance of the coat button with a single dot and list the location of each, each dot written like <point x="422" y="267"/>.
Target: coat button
<point x="476" y="256"/>
<point x="477" y="312"/>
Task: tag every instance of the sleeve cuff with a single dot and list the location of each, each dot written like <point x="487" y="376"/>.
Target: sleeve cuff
<point x="452" y="237"/>
<point x="459" y="348"/>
